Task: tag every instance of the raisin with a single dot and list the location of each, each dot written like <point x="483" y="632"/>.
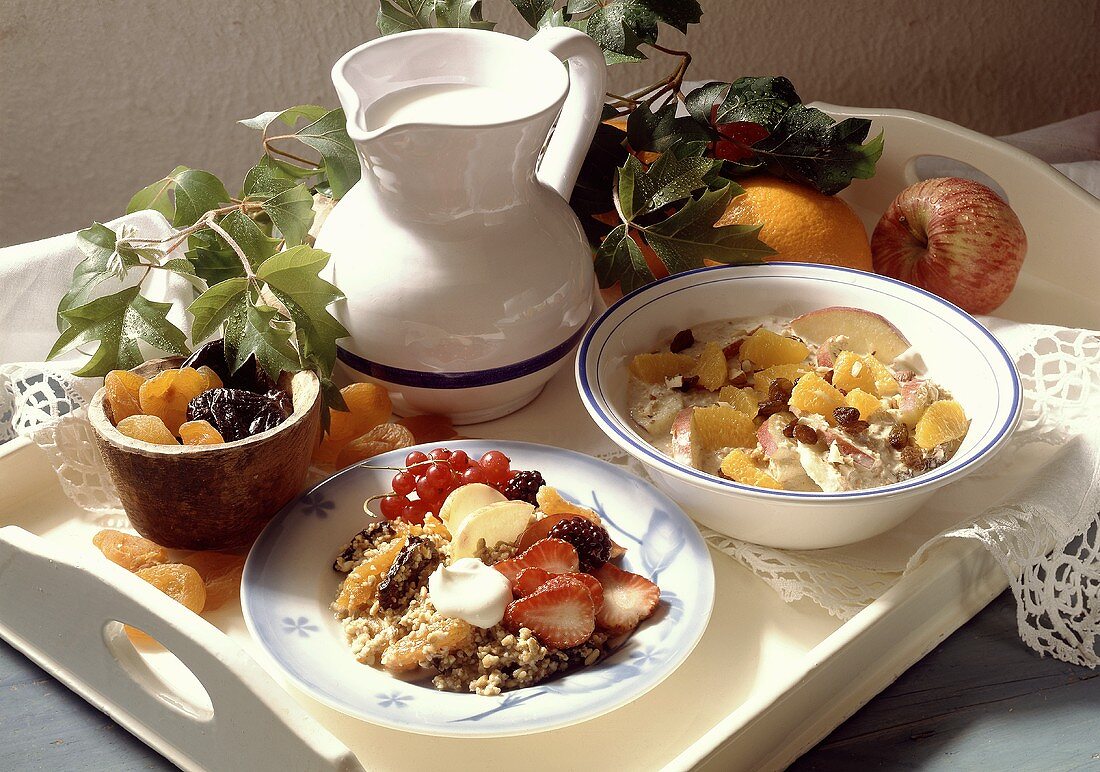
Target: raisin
<point x="684" y="339"/>
<point x="912" y="458"/>
<point x="221" y="575"/>
<point x="687" y="383"/>
<point x="780" y="389"/>
<point x="166" y="395"/>
<point x="122" y="394"/>
<point x="770" y="407"/>
<point x="147" y="428"/>
<point x="856" y="427"/>
<point x="847" y="416"/>
<point x="788" y="430"/>
<point x="199" y="433"/>
<point x="236" y="413"/>
<point x="409" y="572"/>
<point x="899" y="436"/>
<point x="807" y="435"/>
<point x="131" y="552"/>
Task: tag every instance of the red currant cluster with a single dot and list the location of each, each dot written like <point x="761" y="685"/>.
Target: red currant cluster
<point x="432" y="476"/>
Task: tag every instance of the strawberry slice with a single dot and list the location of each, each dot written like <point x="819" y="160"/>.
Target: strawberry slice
<point x="627" y="599"/>
<point x="530" y="579"/>
<point x="560" y="615"/>
<point x="595" y="589"/>
<point x="552" y="555"/>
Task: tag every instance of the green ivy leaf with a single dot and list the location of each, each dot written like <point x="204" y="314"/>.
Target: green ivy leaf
<point x="293" y="277"/>
<point x="592" y="194"/>
<point x="533" y="11"/>
<point x="266" y="179"/>
<point x="98" y="245"/>
<point x="396" y="16"/>
<point x="619" y="259"/>
<point x="620" y="26"/>
<point x="118" y="322"/>
<point x="214" y="307"/>
<point x="658" y="131"/>
<point x="157" y="196"/>
<point x="755" y="100"/>
<point x="328" y="136"/>
<point x="292" y="213"/>
<point x="214" y="261"/>
<point x="258" y="331"/>
<point x="250" y="237"/>
<point x="289" y="116"/>
<point x="464" y="14"/>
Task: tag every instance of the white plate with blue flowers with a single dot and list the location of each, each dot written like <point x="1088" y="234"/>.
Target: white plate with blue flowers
<point x="289" y="583"/>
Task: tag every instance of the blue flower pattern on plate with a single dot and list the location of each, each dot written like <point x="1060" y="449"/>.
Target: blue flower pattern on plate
<point x="300" y="625"/>
<point x="393" y="700"/>
<point x="315" y="504"/>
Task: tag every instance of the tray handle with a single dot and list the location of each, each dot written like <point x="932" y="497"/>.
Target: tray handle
<point x="77" y="642"/>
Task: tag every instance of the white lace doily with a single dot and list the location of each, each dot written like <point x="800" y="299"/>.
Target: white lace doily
<point x="1045" y="534"/>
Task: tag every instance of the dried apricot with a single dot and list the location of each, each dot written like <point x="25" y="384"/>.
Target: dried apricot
<point x="655" y="368"/>
<point x="429" y="428"/>
<point x="181" y="583"/>
<point x="122" y="387"/>
<point x="437" y="637"/>
<point x="129" y="551"/>
<point x="765" y="348"/>
<point x="221" y="574"/>
<point x="147" y="428"/>
<point x="212" y="379"/>
<point x="740" y="468"/>
<point x="360" y="587"/>
<point x="381" y="439"/>
<point x="368" y="405"/>
<point x="166" y="395"/>
<point x="200" y="433"/>
<point x="711" y="368"/>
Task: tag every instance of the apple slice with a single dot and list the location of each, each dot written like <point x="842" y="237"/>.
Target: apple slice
<point x="466" y="499"/>
<point x="916" y="396"/>
<point x="502" y="521"/>
<point x="827" y="352"/>
<point x="860" y="458"/>
<point x="867" y="332"/>
<point x="685" y="448"/>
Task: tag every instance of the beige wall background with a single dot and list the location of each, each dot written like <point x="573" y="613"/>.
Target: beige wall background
<point x="98" y="99"/>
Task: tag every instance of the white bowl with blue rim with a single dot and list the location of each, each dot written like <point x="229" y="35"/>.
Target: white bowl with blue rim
<point x="960" y="353"/>
<point x="288" y="585"/>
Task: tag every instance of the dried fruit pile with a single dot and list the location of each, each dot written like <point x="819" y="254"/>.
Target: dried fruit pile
<point x="824" y="404"/>
<point x="199" y="581"/>
<point x="564" y="598"/>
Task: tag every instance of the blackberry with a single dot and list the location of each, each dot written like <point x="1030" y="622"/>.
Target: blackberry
<point x="591" y="541"/>
<point x="524" y="486"/>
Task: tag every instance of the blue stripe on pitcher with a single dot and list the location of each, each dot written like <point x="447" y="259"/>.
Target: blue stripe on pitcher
<point x="423" y="379"/>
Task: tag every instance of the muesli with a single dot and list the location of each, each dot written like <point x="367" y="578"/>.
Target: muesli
<point x="484" y="578"/>
<point x="833" y="400"/>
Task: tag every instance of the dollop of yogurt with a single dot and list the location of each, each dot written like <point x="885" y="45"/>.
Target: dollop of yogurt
<point x="470" y="590"/>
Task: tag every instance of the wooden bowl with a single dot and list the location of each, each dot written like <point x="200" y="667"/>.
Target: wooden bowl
<point x="210" y="496"/>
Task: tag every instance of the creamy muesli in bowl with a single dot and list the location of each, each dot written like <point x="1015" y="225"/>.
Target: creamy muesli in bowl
<point x="832" y="400"/>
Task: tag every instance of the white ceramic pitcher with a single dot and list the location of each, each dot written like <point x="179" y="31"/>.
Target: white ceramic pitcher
<point x="467" y="275"/>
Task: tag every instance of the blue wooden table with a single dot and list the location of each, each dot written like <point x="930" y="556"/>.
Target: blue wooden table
<point x="981" y="700"/>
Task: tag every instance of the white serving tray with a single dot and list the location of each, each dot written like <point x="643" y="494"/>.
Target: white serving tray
<point x="767" y="681"/>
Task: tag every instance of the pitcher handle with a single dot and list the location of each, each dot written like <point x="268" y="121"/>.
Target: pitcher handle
<point x="562" y="159"/>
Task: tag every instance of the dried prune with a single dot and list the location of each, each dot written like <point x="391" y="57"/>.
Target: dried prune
<point x="409" y="572"/>
<point x="236" y="413"/>
<point x="249" y="377"/>
<point x="369" y="538"/>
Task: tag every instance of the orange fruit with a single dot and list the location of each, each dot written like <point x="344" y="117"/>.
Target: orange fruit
<point x="800" y="224"/>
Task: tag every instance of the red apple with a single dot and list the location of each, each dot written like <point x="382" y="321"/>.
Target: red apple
<point x="955" y="238"/>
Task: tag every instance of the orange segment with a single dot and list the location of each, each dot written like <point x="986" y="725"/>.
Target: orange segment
<point x="885" y="383"/>
<point x="722" y="426"/>
<point x="813" y="394"/>
<point x="765" y="349"/>
<point x="655" y="368"/>
<point x="943" y="421"/>
<point x="711" y="367"/>
<point x="744" y="400"/>
<point x="738" y="467"/>
<point x="866" y="404"/>
<point x="851" y="371"/>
